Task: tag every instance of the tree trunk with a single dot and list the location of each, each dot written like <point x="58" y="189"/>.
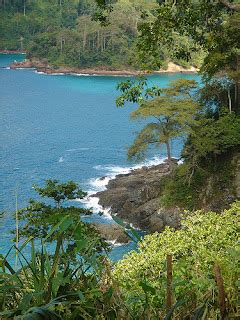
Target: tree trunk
<point x="229" y="101"/>
<point x="221" y="292"/>
<point x="98" y="40"/>
<point x="84" y="36"/>
<point x="61" y="46"/>
<point x="168" y="151"/>
<point x="21" y="43"/>
<point x="236" y="104"/>
<point x="169" y="283"/>
<point x="24" y="7"/>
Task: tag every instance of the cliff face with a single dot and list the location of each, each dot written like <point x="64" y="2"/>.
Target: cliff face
<point x="136" y="197"/>
<point x="222" y="187"/>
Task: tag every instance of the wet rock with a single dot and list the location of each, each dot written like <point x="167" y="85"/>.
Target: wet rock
<point x="134" y="197"/>
<point x="112" y="232"/>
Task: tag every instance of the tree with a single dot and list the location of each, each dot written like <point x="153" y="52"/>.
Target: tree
<point x="65" y="274"/>
<point x="40" y="217"/>
<point x="212" y="25"/>
<point x="172" y="114"/>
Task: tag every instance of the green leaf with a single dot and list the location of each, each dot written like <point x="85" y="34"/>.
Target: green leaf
<point x="118" y="221"/>
<point x="56" y="227"/>
<point x="147" y="287"/>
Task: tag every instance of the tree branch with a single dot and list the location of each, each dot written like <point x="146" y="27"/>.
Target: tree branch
<point x="229" y="5"/>
<point x="157" y="118"/>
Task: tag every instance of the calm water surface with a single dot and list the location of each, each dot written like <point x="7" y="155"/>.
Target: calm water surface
<point x="63" y="127"/>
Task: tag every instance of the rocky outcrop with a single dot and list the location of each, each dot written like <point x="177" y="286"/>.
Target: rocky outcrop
<point x="31" y="63"/>
<point x="134" y="197"/>
<point x="222" y="187"/>
<point x="112" y="232"/>
<point x="236" y="180"/>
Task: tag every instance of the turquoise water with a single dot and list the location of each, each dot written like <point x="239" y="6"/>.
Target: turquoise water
<point x="63" y="127"/>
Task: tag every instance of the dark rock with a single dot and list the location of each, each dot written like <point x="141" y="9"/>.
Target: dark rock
<point x="112" y="232"/>
<point x="135" y="198"/>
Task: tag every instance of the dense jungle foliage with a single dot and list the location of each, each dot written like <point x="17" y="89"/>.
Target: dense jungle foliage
<point x="188" y="273"/>
<point x="66" y="33"/>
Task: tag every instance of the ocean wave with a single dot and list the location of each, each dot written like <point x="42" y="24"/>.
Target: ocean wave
<point x="61" y="159"/>
<point x="47" y="74"/>
<point x="110" y="169"/>
<point x="99" y="184"/>
<point x="80" y="74"/>
<point x="39" y="72"/>
<point x="90" y="202"/>
<point x="56" y="74"/>
<point x="114" y="169"/>
<point x="77" y="149"/>
<point x="19" y="68"/>
<point x="114" y="243"/>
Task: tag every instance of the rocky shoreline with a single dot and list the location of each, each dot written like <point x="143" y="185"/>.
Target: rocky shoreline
<point x="5" y="51"/>
<point x="43" y="66"/>
<point x="134" y="197"/>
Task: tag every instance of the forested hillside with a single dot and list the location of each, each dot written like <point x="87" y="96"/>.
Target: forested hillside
<point x="67" y="33"/>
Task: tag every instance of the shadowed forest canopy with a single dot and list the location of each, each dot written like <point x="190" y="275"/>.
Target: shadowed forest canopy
<point x="67" y="32"/>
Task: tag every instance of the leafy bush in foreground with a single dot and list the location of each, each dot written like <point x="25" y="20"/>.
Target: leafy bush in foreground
<point x="76" y="281"/>
<point x="205" y="240"/>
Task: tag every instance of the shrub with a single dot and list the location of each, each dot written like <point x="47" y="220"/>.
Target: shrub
<point x="205" y="239"/>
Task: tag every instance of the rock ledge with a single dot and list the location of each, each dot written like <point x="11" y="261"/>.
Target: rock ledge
<point x="134" y="197"/>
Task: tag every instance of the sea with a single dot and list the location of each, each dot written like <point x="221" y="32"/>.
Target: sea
<point x="65" y="127"/>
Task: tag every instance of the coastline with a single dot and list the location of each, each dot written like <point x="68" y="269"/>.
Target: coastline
<point x="42" y="66"/>
<point x="5" y="51"/>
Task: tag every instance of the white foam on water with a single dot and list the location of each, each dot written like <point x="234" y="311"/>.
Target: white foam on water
<point x="61" y="159"/>
<point x="25" y="68"/>
<point x="113" y="170"/>
<point x="92" y="203"/>
<point x="39" y="72"/>
<point x="80" y="74"/>
<point x="99" y="184"/>
<point x="47" y="74"/>
<point x="56" y="74"/>
<point x="114" y="243"/>
<point x="77" y="149"/>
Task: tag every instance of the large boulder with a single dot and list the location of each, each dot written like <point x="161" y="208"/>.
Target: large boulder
<point x="112" y="232"/>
